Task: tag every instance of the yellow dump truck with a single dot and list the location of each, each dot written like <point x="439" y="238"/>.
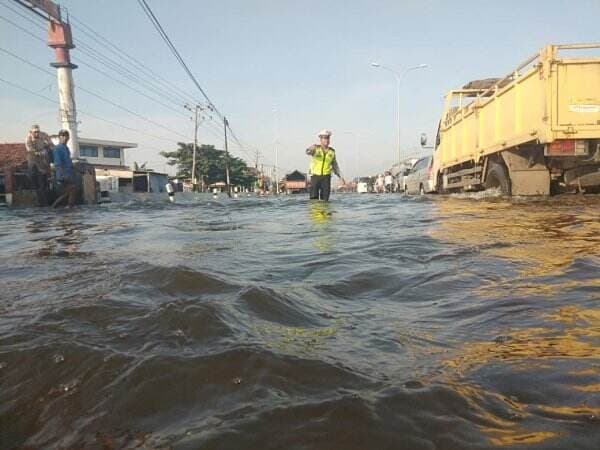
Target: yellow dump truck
<point x="534" y="132"/>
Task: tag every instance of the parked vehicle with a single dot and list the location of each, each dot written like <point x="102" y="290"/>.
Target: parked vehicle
<point x="534" y="132"/>
<point x="364" y="185"/>
<point x="420" y="178"/>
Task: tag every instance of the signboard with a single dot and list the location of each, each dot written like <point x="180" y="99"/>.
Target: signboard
<point x="585" y="108"/>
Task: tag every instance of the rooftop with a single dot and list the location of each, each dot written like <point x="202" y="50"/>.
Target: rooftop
<point x="12" y="154"/>
<point x="105" y="143"/>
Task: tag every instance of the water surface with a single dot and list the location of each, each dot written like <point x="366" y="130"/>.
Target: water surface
<point x="372" y="322"/>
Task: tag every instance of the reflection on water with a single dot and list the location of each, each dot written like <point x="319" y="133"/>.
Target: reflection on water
<point x="321" y="215"/>
<point x="542" y="247"/>
<point x="366" y="322"/>
<point x="60" y="237"/>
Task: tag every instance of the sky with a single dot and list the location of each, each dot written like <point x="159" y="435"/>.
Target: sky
<point x="279" y="70"/>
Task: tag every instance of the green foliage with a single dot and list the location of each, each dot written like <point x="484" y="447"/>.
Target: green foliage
<point x="137" y="166"/>
<point x="210" y="164"/>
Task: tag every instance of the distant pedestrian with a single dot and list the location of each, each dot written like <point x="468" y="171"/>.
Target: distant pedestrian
<point x="389" y="180"/>
<point x="65" y="175"/>
<point x="379" y="184"/>
<point x="39" y="154"/>
<point x="323" y="163"/>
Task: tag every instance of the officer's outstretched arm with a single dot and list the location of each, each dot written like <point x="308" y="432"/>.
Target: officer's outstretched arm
<point x="336" y="168"/>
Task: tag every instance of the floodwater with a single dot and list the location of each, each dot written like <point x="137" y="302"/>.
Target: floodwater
<point x="372" y="322"/>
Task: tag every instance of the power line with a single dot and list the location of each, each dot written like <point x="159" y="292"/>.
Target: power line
<point x="123" y="71"/>
<point x="94" y="94"/>
<point x="106" y="61"/>
<point x="125" y="56"/>
<point x="165" y="38"/>
<point x="22" y="29"/>
<point x="107" y="75"/>
<point x="154" y="20"/>
<point x="91" y="66"/>
<point x="211" y="127"/>
<point x="37" y="94"/>
<point x="19" y="13"/>
<point x="215" y="131"/>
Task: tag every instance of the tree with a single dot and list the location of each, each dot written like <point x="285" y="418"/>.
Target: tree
<point x="137" y="166"/>
<point x="181" y="158"/>
<point x="210" y="165"/>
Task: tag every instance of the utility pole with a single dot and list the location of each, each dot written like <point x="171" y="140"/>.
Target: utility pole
<point x="399" y="77"/>
<point x="225" y="125"/>
<point x="275" y="168"/>
<point x="194" y="180"/>
<point x="61" y="40"/>
<point x="275" y="143"/>
<point x="256" y="173"/>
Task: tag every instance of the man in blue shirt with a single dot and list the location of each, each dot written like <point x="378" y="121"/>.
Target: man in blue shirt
<point x="65" y="175"/>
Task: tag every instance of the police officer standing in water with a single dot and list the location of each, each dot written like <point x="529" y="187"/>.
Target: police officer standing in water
<point x="322" y="164"/>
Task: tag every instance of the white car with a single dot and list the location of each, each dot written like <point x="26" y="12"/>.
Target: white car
<point x="363" y="186"/>
<point x="420" y="178"/>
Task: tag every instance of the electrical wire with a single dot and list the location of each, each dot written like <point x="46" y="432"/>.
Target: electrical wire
<point x="22" y="29"/>
<point x="94" y="94"/>
<point x="106" y="43"/>
<point x="167" y="40"/>
<point x="20" y="14"/>
<point x="125" y="72"/>
<point x="210" y="126"/>
<point x="89" y="50"/>
<point x="116" y="80"/>
<point x="95" y="116"/>
<point x="157" y="25"/>
<point x="90" y="65"/>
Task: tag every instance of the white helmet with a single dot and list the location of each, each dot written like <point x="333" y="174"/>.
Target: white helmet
<point x="324" y="133"/>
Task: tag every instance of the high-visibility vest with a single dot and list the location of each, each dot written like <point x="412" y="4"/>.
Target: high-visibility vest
<point x="322" y="161"/>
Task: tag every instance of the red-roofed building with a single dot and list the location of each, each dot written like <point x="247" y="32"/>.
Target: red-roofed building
<point x="13" y="155"/>
<point x="13" y="164"/>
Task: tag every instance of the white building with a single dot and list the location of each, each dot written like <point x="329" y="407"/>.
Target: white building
<point x="108" y="159"/>
<point x="104" y="153"/>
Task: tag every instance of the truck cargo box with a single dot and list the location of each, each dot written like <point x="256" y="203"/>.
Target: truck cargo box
<point x="550" y="103"/>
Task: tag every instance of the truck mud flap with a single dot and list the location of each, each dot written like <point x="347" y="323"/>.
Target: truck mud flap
<point x="527" y="170"/>
<point x="585" y="176"/>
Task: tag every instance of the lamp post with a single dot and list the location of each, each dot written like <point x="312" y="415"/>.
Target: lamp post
<point x="399" y="77"/>
<point x="355" y="138"/>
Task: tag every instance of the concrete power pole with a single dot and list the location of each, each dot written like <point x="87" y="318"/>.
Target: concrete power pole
<point x="225" y="125"/>
<point x="194" y="180"/>
<point x="275" y="168"/>
<point x="61" y="40"/>
<point x="68" y="112"/>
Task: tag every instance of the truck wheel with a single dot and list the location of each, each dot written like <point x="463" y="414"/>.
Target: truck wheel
<point x="497" y="178"/>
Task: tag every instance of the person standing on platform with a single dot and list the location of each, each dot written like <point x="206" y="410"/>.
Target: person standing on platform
<point x="39" y="154"/>
<point x="323" y="163"/>
<point x="65" y="175"/>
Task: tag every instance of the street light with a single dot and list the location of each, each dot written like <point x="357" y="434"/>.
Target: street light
<point x="355" y="136"/>
<point x="399" y="77"/>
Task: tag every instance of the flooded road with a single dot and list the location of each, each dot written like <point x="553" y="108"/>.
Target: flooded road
<point x="372" y="322"/>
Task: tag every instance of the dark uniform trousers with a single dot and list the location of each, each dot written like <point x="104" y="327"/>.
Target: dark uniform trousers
<point x="320" y="187"/>
<point x="39" y="182"/>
